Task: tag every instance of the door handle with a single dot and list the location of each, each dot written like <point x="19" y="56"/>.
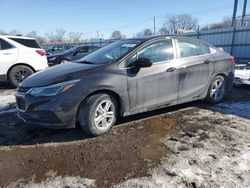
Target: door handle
<point x="207" y="61"/>
<point x="171" y="69"/>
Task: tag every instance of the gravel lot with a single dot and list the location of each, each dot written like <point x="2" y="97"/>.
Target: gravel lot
<point x="190" y="145"/>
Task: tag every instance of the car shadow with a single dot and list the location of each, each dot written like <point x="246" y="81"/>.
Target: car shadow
<point x="14" y="132"/>
<point x="4" y="85"/>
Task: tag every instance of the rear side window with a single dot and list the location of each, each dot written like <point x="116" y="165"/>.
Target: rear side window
<point x="189" y="48"/>
<point x="26" y="42"/>
<point x="4" y="45"/>
<point x="205" y="48"/>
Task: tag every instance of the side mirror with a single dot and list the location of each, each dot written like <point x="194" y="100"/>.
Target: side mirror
<point x="74" y="53"/>
<point x="143" y="62"/>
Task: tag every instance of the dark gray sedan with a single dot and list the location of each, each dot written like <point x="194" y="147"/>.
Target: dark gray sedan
<point x="126" y="77"/>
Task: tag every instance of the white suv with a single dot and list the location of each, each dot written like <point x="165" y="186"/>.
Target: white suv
<point x="19" y="58"/>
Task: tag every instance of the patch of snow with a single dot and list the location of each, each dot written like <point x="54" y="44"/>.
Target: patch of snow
<point x="7" y="101"/>
<point x="241" y="109"/>
<point x="221" y="160"/>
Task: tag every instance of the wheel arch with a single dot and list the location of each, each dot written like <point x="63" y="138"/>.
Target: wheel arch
<point x="115" y="95"/>
<point x="18" y="64"/>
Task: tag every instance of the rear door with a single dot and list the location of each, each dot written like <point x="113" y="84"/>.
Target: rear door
<point x="8" y="55"/>
<point x="153" y="86"/>
<point x="196" y="68"/>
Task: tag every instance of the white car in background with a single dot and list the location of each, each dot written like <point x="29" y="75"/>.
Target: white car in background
<point x="19" y="58"/>
<point x="242" y="74"/>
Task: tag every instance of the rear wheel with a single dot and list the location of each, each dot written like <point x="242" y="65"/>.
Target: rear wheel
<point x="98" y="114"/>
<point x="19" y="73"/>
<point x="217" y="90"/>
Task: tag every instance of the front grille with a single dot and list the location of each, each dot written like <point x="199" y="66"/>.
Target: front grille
<point x="23" y="89"/>
<point x="21" y="103"/>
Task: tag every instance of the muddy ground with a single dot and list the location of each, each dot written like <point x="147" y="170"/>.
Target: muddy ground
<point x="145" y="150"/>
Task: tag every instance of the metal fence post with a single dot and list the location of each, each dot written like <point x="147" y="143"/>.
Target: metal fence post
<point x="198" y="32"/>
<point x="232" y="42"/>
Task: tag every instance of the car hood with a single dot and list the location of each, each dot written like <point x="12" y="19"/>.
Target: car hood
<point x="60" y="73"/>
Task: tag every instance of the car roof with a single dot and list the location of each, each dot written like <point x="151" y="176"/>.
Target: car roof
<point x="156" y="37"/>
<point x="17" y="37"/>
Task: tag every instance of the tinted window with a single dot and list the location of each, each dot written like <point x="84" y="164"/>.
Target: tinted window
<point x="4" y="45"/>
<point x="26" y="42"/>
<point x="189" y="48"/>
<point x="83" y="50"/>
<point x="205" y="48"/>
<point x="157" y="51"/>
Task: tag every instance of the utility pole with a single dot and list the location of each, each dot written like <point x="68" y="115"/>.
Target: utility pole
<point x="154" y="25"/>
<point x="97" y="32"/>
<point x="244" y="12"/>
<point x="234" y="12"/>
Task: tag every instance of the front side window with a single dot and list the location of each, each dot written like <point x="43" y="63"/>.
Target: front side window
<point x="4" y="45"/>
<point x="158" y="51"/>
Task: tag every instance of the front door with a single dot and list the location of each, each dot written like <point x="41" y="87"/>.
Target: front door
<point x="153" y="86"/>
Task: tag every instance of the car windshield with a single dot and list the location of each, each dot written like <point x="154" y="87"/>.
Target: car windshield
<point x="111" y="52"/>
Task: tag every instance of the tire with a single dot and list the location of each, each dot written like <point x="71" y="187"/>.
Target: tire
<point x="217" y="90"/>
<point x="19" y="73"/>
<point x="93" y="117"/>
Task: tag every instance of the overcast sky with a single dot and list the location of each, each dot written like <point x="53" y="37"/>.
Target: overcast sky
<point x="90" y="16"/>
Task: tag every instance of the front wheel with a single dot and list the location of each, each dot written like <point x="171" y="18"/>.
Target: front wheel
<point x="19" y="73"/>
<point x="98" y="114"/>
<point x="217" y="90"/>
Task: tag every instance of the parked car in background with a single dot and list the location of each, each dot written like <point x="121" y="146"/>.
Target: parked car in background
<point x="242" y="74"/>
<point x="58" y="49"/>
<point x="123" y="78"/>
<point x="73" y="54"/>
<point x="19" y="58"/>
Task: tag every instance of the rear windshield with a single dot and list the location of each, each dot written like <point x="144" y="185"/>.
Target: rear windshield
<point x="31" y="43"/>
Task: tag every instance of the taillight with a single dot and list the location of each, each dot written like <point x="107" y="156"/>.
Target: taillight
<point x="232" y="59"/>
<point x="41" y="52"/>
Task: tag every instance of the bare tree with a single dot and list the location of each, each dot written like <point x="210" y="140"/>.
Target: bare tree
<point x="3" y="33"/>
<point x="59" y="35"/>
<point x="15" y="32"/>
<point x="75" y="37"/>
<point x="116" y="35"/>
<point x="50" y="37"/>
<point x="180" y="22"/>
<point x="145" y="32"/>
<point x="226" y="22"/>
<point x="163" y="30"/>
<point x="32" y="34"/>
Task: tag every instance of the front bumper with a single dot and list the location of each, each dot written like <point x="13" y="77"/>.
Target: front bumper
<point x="50" y="112"/>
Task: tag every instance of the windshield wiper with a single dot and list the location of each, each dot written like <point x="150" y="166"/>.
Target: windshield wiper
<point x="85" y="62"/>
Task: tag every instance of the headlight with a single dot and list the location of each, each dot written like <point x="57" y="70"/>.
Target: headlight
<point x="52" y="59"/>
<point x="52" y="89"/>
